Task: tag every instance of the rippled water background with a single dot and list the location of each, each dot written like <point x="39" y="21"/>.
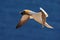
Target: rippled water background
<point x="9" y="17"/>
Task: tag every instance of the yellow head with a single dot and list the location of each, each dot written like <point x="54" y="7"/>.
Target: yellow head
<point x="27" y="11"/>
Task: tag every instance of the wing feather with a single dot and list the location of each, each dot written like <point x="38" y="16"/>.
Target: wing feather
<point x="23" y="20"/>
<point x="48" y="26"/>
<point x="41" y="19"/>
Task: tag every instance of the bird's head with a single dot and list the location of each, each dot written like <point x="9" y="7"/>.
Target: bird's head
<point x="25" y="12"/>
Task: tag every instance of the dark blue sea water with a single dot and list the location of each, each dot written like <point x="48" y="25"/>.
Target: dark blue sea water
<point x="9" y="17"/>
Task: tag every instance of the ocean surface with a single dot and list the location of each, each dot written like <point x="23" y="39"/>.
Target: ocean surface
<point x="9" y="17"/>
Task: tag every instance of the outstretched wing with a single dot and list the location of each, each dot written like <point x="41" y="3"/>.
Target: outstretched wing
<point x="48" y="26"/>
<point x="40" y="18"/>
<point x="22" y="21"/>
<point x="44" y="12"/>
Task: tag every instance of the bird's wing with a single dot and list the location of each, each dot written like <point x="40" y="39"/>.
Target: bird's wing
<point x="22" y="21"/>
<point x="44" y="12"/>
<point x="41" y="20"/>
<point x="48" y="26"/>
<point x="40" y="17"/>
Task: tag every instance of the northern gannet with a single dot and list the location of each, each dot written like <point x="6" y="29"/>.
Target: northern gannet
<point x="39" y="17"/>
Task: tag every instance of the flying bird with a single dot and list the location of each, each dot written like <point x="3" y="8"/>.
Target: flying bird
<point x="39" y="17"/>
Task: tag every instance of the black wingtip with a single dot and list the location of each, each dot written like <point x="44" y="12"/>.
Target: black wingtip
<point x="18" y="26"/>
